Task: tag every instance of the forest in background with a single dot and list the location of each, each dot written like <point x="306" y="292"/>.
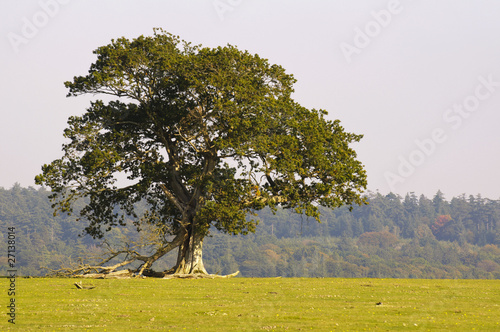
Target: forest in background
<point x="391" y="237"/>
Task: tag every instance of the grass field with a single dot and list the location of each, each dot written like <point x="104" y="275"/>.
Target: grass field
<point x="50" y="304"/>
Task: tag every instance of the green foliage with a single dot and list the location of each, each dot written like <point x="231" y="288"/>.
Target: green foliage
<point x="378" y="239"/>
<point x="206" y="136"/>
<point x="390" y="237"/>
<point x="41" y="238"/>
<point x="286" y="244"/>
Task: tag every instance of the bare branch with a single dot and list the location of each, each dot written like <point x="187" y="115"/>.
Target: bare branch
<point x="130" y="255"/>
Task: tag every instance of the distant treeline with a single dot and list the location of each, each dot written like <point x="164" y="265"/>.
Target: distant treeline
<point x="410" y="237"/>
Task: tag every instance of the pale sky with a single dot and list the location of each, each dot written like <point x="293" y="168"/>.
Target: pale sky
<point x="420" y="79"/>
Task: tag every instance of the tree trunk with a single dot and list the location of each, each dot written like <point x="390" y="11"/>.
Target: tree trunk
<point x="189" y="259"/>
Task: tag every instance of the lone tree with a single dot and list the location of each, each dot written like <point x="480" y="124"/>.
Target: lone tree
<point x="205" y="136"/>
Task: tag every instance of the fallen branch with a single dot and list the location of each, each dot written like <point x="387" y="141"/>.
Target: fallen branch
<point x="115" y="274"/>
<point x="130" y="254"/>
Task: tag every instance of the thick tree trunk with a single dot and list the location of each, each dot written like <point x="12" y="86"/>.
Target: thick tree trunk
<point x="190" y="258"/>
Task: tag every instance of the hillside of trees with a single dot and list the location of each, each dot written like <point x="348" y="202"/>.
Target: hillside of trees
<point x="410" y="237"/>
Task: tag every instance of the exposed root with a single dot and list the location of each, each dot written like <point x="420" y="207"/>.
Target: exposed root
<point x="126" y="274"/>
<point x="189" y="263"/>
<point x="199" y="276"/>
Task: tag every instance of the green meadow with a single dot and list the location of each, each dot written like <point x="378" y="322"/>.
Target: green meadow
<point x="248" y="304"/>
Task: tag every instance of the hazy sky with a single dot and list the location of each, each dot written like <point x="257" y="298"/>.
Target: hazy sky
<point x="420" y="79"/>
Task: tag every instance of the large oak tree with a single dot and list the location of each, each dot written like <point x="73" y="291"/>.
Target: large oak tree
<point x="206" y="137"/>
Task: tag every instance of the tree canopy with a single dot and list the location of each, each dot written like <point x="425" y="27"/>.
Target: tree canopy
<point x="205" y="136"/>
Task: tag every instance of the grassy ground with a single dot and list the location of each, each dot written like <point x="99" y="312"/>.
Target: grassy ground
<point x="50" y="304"/>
